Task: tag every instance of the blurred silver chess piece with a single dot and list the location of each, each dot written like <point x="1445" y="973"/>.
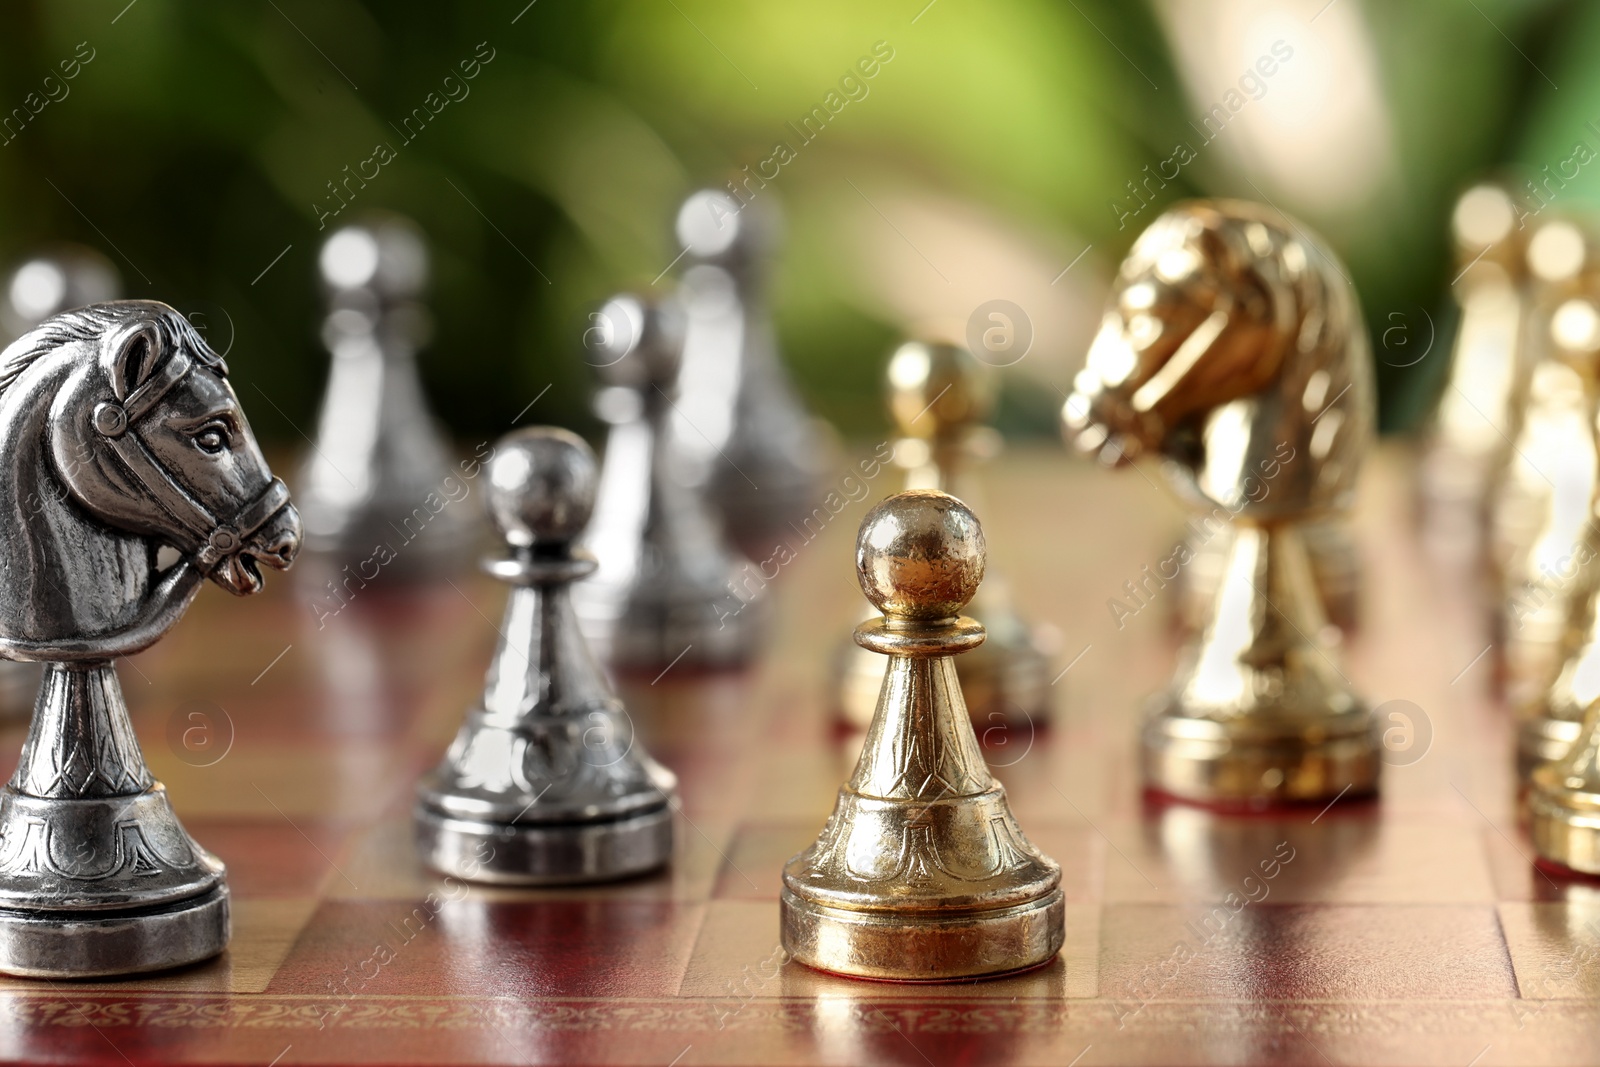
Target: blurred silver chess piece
<point x="544" y="782"/>
<point x="744" y="435"/>
<point x="52" y="280"/>
<point x="939" y="399"/>
<point x="669" y="590"/>
<point x="376" y="491"/>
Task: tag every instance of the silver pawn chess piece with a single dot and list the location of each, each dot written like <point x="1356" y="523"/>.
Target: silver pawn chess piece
<point x="47" y="283"/>
<point x="376" y="486"/>
<point x="745" y="436"/>
<point x="544" y="782"/>
<point x="669" y="590"/>
<point x="121" y="435"/>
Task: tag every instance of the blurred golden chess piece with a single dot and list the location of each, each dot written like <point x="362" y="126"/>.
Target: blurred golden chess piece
<point x="1542" y="504"/>
<point x="1556" y="612"/>
<point x="1233" y="348"/>
<point x="1564" y="802"/>
<point x="1480" y="410"/>
<point x="921" y="873"/>
<point x="938" y="399"/>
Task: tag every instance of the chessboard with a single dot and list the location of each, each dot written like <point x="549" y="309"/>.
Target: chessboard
<point x="1408" y="930"/>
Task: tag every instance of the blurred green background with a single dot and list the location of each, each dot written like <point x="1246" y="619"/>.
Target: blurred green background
<point x="1001" y="140"/>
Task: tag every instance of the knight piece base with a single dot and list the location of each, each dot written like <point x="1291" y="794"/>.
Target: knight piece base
<point x="1543" y="740"/>
<point x="1564" y="825"/>
<point x="923" y="946"/>
<point x="544" y="854"/>
<point x="1206" y="761"/>
<point x="98" y="944"/>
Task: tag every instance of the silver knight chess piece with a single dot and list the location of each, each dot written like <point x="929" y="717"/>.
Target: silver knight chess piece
<point x="374" y="480"/>
<point x="52" y="280"/>
<point x="122" y="436"/>
<point x="1232" y="348"/>
<point x="669" y="591"/>
<point x="545" y="782"/>
<point x="744" y="435"/>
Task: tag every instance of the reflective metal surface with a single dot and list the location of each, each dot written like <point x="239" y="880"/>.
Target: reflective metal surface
<point x="544" y="782"/>
<point x="1564" y="802"/>
<point x="921" y="873"/>
<point x="668" y="590"/>
<point x="745" y="438"/>
<point x="1543" y="501"/>
<point x="938" y="400"/>
<point x="378" y="487"/>
<point x="51" y="281"/>
<point x="122" y="435"/>
<point x="1233" y="349"/>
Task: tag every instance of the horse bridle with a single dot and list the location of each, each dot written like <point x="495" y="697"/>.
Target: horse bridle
<point x="213" y="539"/>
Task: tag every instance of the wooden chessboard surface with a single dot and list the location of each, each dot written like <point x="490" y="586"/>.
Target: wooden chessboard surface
<point x="1413" y="930"/>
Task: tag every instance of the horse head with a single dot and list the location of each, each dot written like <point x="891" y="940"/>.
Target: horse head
<point x="1229" y="338"/>
<point x="124" y="435"/>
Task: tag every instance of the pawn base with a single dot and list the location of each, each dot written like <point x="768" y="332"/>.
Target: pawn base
<point x="1205" y="761"/>
<point x="1564" y="824"/>
<point x="1543" y="740"/>
<point x="98" y="944"/>
<point x="544" y="854"/>
<point x="923" y="946"/>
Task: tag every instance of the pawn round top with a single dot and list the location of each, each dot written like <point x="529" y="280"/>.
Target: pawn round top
<point x="920" y="555"/>
<point x="716" y="227"/>
<point x="383" y="253"/>
<point x="935" y="390"/>
<point x="542" y="484"/>
<point x="636" y="342"/>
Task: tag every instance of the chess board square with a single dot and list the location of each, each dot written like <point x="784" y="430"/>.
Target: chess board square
<point x="1555" y="947"/>
<point x="1302" y="952"/>
<point x="476" y="946"/>
<point x="1348" y="856"/>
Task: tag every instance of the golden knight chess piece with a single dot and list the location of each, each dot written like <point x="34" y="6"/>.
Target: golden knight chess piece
<point x="1233" y="348"/>
<point x="1543" y="503"/>
<point x="921" y="873"/>
<point x="938" y="399"/>
<point x="1480" y="410"/>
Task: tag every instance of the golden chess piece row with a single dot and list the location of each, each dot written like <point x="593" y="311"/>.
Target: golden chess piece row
<point x="1512" y="470"/>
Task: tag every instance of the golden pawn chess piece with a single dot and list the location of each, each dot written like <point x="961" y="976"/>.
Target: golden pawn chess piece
<point x="1564" y="802"/>
<point x="1542" y="504"/>
<point x="938" y="400"/>
<point x="1480" y="410"/>
<point x="921" y="873"/>
<point x="1233" y="348"/>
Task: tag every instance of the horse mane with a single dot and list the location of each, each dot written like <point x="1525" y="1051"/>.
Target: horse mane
<point x="91" y="322"/>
